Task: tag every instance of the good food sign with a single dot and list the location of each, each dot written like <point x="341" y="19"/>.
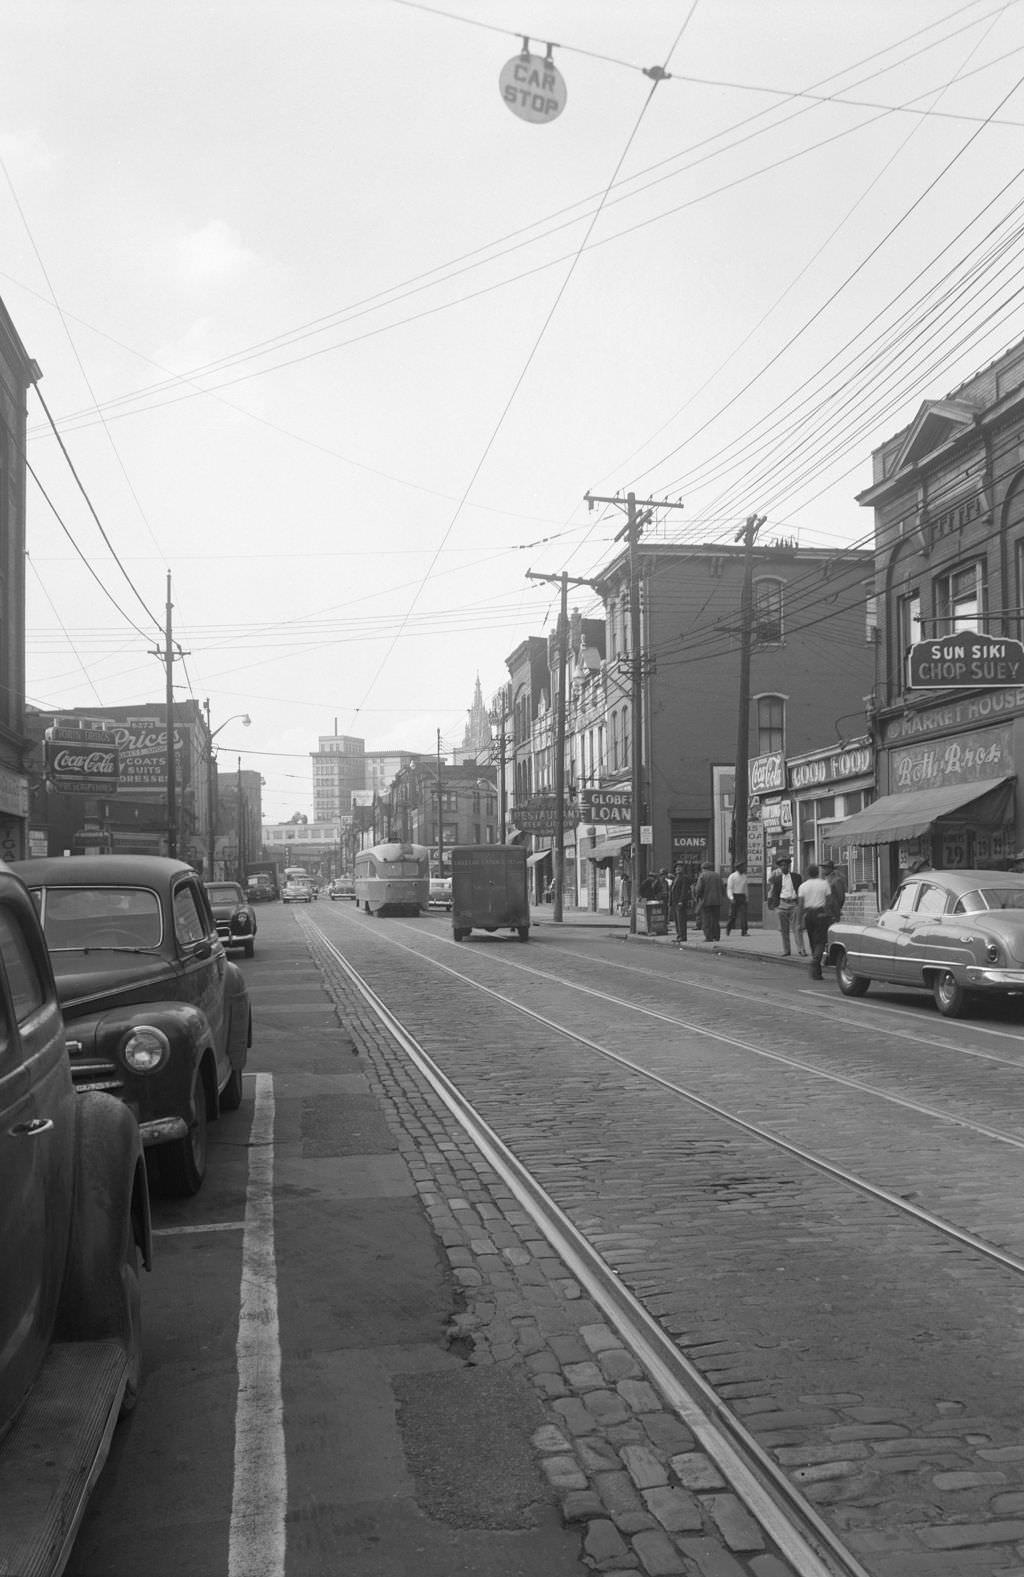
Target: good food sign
<point x="966" y="661"/>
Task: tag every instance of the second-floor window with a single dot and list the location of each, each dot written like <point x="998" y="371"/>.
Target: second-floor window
<point x="771" y="724"/>
<point x="908" y="613"/>
<point x="768" y="611"/>
<point x="960" y="599"/>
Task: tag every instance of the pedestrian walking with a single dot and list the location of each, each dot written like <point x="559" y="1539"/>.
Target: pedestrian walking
<point x="813" y="902"/>
<point x="736" y="892"/>
<point x="678" y="898"/>
<point x="783" y="887"/>
<point x="709" y="893"/>
<point x="836" y="878"/>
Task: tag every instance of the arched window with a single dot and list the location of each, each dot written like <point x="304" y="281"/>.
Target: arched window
<point x="768" y="611"/>
<point x="614" y="723"/>
<point x="771" y="724"/>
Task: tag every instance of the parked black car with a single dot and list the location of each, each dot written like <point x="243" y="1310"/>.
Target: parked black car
<point x="74" y="1233"/>
<point x="155" y="1012"/>
<point x="233" y="915"/>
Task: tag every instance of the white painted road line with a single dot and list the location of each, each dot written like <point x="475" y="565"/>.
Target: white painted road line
<point x="260" y="1495"/>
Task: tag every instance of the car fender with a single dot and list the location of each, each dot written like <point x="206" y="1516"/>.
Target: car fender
<point x="239" y="1015"/>
<point x="111" y="1201"/>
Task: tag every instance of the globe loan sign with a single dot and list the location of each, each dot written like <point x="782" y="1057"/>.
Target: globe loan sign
<point x="968" y="661"/>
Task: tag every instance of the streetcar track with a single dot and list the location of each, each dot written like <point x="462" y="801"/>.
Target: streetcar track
<point x="801" y="1534"/>
<point x="847" y="1080"/>
<point x="827" y="1168"/>
<point x="806" y="1010"/>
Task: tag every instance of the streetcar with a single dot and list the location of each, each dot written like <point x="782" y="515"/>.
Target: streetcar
<point x="393" y="878"/>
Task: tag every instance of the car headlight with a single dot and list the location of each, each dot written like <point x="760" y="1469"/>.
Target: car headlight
<point x="145" y="1049"/>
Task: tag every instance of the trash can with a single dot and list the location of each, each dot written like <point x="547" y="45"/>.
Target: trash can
<point x="656" y="912"/>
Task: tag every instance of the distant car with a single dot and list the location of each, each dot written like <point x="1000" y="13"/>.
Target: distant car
<point x="74" y="1233"/>
<point x="954" y="933"/>
<point x="233" y="915"/>
<point x="297" y="892"/>
<point x="342" y="887"/>
<point x="155" y="1012"/>
<point x="261" y="889"/>
<point x="440" y="892"/>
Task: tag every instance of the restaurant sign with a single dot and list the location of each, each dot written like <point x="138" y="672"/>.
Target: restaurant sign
<point x="538" y="815"/>
<point x="854" y="762"/>
<point x="967" y="661"/>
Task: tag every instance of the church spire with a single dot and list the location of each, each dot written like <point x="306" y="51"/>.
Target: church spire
<point x="478" y="726"/>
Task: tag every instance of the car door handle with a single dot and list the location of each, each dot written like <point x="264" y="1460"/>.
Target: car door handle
<point x="33" y="1126"/>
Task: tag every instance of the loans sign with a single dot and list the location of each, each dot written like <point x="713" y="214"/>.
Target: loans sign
<point x="967" y="661"/>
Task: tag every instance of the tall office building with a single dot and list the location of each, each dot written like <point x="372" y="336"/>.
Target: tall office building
<point x="338" y="770"/>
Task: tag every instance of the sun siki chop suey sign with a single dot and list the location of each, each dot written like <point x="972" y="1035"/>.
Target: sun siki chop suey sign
<point x="970" y="660"/>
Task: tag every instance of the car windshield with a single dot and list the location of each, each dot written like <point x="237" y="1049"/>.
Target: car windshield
<point x="79" y="917"/>
<point x="224" y="892"/>
<point x="990" y="898"/>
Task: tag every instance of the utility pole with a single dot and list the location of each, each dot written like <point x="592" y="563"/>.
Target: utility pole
<point x="440" y="806"/>
<point x="740" y="799"/>
<point x="559" y="744"/>
<point x="211" y="796"/>
<point x="631" y="532"/>
<point x="166" y="655"/>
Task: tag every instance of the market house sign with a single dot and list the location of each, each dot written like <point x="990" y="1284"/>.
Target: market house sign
<point x="966" y="661"/>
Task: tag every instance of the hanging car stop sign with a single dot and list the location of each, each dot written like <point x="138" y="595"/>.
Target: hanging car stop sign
<point x="533" y="89"/>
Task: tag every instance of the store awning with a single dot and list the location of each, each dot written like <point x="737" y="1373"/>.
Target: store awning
<point x="608" y="847"/>
<point x="535" y="859"/>
<point x="984" y="805"/>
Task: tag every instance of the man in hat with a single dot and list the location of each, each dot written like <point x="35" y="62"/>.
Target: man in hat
<point x="709" y="893"/>
<point x="783" y="888"/>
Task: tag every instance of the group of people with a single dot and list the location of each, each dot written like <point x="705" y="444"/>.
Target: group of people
<point x="710" y="894"/>
<point x="806" y="905"/>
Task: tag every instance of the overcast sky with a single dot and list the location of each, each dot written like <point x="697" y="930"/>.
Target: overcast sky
<point x="340" y="343"/>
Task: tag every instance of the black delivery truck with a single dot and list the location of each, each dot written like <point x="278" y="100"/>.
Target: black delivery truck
<point x="489" y="889"/>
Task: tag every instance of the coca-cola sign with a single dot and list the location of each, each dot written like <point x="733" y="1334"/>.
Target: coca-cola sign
<point x="81" y="768"/>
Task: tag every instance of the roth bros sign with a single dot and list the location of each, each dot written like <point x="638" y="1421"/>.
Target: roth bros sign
<point x="966" y="661"/>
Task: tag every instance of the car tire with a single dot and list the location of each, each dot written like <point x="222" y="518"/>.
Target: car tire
<point x="850" y="985"/>
<point x="248" y="948"/>
<point x="459" y="935"/>
<point x="183" y="1162"/>
<point x="950" y="996"/>
<point x="231" y="1094"/>
<point x="524" y="933"/>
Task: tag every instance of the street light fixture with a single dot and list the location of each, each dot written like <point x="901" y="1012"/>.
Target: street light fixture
<point x="211" y="792"/>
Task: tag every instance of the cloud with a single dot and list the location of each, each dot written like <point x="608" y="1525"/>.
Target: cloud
<point x="26" y="152"/>
<point x="214" y="252"/>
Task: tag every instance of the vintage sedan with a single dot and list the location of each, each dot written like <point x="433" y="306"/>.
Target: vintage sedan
<point x="74" y="1234"/>
<point x="954" y="933"/>
<point x="156" y="1013"/>
<point x="233" y="915"/>
<point x="297" y="892"/>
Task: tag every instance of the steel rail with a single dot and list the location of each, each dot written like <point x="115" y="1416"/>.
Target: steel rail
<point x="813" y="1549"/>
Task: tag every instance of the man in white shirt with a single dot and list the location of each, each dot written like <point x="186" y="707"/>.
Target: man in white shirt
<point x="736" y="892"/>
<point x="812" y="903"/>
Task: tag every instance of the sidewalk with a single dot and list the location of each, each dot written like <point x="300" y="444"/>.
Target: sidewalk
<point x="761" y="942"/>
